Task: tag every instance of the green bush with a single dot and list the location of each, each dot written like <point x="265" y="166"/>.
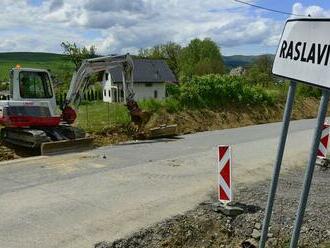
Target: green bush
<point x="172" y="90"/>
<point x="150" y="105"/>
<point x="211" y="91"/>
<point x="172" y="105"/>
<point x="217" y="90"/>
<point x="308" y="91"/>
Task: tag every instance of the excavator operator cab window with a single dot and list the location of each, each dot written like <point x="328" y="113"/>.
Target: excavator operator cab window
<point x="34" y="85"/>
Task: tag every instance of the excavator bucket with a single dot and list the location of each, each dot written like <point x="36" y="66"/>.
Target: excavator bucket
<point x="163" y="131"/>
<point x="66" y="146"/>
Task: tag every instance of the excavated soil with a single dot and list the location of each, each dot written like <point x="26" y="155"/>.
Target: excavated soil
<point x="203" y="227"/>
<point x="191" y="121"/>
<point x="6" y="153"/>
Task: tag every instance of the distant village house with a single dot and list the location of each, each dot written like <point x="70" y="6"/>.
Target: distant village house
<point x="238" y="71"/>
<point x="150" y="79"/>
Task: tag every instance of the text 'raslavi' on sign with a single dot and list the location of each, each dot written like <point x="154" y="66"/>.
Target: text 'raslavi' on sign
<point x="303" y="53"/>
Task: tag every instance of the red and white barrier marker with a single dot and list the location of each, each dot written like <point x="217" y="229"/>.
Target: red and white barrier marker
<point x="224" y="174"/>
<point x="323" y="147"/>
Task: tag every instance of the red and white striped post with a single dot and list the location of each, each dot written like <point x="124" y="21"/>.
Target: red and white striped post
<point x="323" y="147"/>
<point x="224" y="174"/>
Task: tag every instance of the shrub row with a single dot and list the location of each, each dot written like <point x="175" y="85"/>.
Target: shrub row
<point x="218" y="90"/>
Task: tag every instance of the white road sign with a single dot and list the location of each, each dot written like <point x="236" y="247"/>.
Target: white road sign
<point x="304" y="51"/>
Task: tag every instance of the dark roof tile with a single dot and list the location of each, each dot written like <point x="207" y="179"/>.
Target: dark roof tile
<point x="147" y="71"/>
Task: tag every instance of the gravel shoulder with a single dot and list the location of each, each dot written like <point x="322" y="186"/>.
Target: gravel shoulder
<point x="202" y="227"/>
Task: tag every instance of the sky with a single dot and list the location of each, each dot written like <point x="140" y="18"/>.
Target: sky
<point x="121" y="26"/>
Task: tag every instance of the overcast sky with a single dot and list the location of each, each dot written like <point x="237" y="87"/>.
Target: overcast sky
<point x="120" y="26"/>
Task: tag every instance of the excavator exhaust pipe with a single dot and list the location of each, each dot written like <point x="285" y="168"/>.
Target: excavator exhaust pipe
<point x="66" y="146"/>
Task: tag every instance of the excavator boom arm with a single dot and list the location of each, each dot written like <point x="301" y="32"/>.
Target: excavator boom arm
<point x="91" y="66"/>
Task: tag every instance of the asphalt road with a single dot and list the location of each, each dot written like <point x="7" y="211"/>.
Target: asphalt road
<point x="76" y="200"/>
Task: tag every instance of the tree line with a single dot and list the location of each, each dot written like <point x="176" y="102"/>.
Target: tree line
<point x="199" y="57"/>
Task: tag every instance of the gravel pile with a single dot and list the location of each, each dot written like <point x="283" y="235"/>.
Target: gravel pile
<point x="202" y="227"/>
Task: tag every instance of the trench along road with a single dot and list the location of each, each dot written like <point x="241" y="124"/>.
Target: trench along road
<point x="76" y="200"/>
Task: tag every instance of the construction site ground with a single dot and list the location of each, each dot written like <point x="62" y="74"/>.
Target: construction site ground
<point x="203" y="227"/>
<point x="191" y="121"/>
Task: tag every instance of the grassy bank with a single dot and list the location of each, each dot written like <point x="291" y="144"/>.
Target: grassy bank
<point x="204" y="103"/>
<point x="188" y="120"/>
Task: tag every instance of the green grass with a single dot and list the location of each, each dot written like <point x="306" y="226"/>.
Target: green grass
<point x="59" y="65"/>
<point x="99" y="115"/>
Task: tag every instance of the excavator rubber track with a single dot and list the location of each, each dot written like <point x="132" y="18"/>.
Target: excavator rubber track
<point x="24" y="137"/>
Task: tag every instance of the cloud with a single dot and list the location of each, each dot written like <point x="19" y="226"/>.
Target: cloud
<point x="118" y="26"/>
<point x="313" y="10"/>
<point x="115" y="5"/>
<point x="55" y="5"/>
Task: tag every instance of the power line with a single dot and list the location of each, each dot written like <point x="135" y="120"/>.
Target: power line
<point x="268" y="9"/>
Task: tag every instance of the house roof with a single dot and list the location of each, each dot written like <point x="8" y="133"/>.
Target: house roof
<point x="147" y="71"/>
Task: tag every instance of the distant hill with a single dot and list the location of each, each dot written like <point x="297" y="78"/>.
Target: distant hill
<point x="241" y="60"/>
<point x="18" y="57"/>
<point x="30" y="57"/>
<point x="59" y="64"/>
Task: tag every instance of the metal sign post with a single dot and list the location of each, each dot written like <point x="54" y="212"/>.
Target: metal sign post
<point x="310" y="169"/>
<point x="278" y="162"/>
<point x="303" y="54"/>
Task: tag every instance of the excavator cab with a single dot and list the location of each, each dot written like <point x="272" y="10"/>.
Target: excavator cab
<point x="30" y="117"/>
<point x="32" y="101"/>
<point x="33" y="87"/>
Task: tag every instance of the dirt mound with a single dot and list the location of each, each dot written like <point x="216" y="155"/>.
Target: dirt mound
<point x="190" y="121"/>
<point x="6" y="153"/>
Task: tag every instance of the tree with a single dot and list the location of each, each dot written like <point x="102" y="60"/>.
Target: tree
<point x="261" y="71"/>
<point x="169" y="51"/>
<point x="78" y="54"/>
<point x="201" y="57"/>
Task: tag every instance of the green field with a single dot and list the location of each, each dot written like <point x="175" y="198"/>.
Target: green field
<point x="59" y="65"/>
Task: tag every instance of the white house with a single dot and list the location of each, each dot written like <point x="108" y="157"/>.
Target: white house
<point x="150" y="79"/>
<point x="110" y="90"/>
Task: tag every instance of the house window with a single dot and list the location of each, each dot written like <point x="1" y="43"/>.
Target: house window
<point x="155" y="94"/>
<point x="105" y="93"/>
<point x="109" y="93"/>
<point x="148" y="84"/>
